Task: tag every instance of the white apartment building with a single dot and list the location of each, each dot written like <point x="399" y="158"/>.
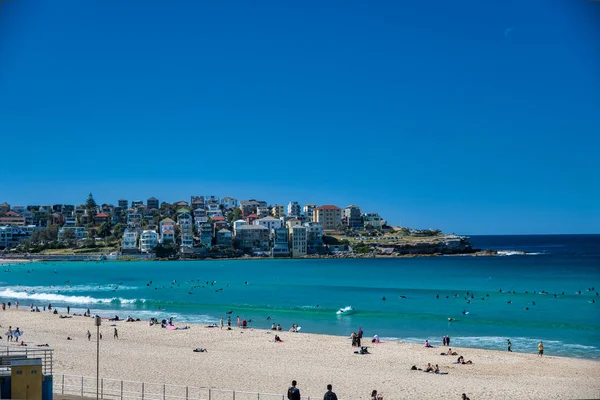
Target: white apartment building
<point x="148" y="241"/>
<point x="309" y="210"/>
<point x="129" y="240"/>
<point x="229" y="203"/>
<point x="269" y="222"/>
<point x="293" y="209"/>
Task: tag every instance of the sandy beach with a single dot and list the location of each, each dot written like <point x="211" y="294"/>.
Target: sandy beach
<point x="249" y="359"/>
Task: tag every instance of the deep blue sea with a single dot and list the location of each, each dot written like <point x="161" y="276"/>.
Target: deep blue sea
<point x="309" y="292"/>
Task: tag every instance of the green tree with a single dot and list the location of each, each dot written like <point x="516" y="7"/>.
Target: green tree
<point x="90" y="204"/>
<point x="68" y="234"/>
<point x="103" y="230"/>
<point x="52" y="232"/>
<point x="118" y="230"/>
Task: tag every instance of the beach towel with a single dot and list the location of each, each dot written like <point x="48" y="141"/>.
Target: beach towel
<point x="171" y="327"/>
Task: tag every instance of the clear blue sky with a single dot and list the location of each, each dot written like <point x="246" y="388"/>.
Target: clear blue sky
<point x="472" y="116"/>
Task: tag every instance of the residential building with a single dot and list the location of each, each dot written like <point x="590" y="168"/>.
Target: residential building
<point x="152" y="202"/>
<point x="181" y="204"/>
<point x="252" y="238"/>
<point x="229" y="203"/>
<point x="330" y="216"/>
<point x="269" y="222"/>
<point x="293" y="209"/>
<point x="70" y="221"/>
<point x="373" y="220"/>
<point x="298" y="241"/>
<point x="249" y="206"/>
<point x="314" y="237"/>
<point x="68" y="209"/>
<point x="199" y="212"/>
<point x="79" y="232"/>
<point x="213" y="210"/>
<point x="263" y="211"/>
<point x="352" y="217"/>
<point x="238" y="223"/>
<point x="278" y="211"/>
<point x="205" y="234"/>
<point x="167" y="231"/>
<point x="101" y="218"/>
<point x="13" y="219"/>
<point x="187" y="240"/>
<point x="280" y="243"/>
<point x="251" y="218"/>
<point x="129" y="241"/>
<point x="308" y="211"/>
<point x="197" y="202"/>
<point x="28" y="215"/>
<point x="224" y="238"/>
<point x="211" y="200"/>
<point x="137" y="203"/>
<point x="4" y="207"/>
<point x="134" y="219"/>
<point x="6" y="236"/>
<point x="184" y="220"/>
<point x="123" y="203"/>
<point x="20" y="209"/>
<point x="292" y="222"/>
<point x="148" y="241"/>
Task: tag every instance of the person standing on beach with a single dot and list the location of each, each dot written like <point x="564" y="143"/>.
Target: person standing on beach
<point x="444" y="340"/>
<point x="228" y="322"/>
<point x="221" y="323"/>
<point x="447" y="340"/>
<point x="509" y="345"/>
<point x="293" y="392"/>
<point x="116" y="335"/>
<point x="238" y="317"/>
<point x="329" y="395"/>
<point x="68" y="309"/>
<point x="89" y="335"/>
<point x="541" y="349"/>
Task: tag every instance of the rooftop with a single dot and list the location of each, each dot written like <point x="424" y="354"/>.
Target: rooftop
<point x="328" y="207"/>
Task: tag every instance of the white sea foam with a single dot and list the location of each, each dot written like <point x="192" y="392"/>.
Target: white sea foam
<point x="523" y="344"/>
<point x="55" y="297"/>
<point x="76" y="288"/>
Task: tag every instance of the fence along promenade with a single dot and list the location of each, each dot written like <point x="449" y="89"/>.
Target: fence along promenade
<point x="114" y="389"/>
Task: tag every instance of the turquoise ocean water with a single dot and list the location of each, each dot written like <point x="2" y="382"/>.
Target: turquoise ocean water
<point x="309" y="292"/>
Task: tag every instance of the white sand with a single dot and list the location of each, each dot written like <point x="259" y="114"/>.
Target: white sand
<point x="250" y="360"/>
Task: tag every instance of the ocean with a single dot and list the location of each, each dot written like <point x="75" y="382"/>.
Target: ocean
<point x="548" y="294"/>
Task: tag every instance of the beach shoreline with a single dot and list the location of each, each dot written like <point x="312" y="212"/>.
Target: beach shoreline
<point x="249" y="359"/>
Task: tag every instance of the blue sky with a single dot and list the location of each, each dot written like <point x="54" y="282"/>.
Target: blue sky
<point x="474" y="117"/>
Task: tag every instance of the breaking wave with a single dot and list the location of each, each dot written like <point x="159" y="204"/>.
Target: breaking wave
<point x="55" y="297"/>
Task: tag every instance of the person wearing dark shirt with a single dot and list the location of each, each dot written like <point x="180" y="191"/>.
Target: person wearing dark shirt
<point x="293" y="392"/>
<point x="329" y="395"/>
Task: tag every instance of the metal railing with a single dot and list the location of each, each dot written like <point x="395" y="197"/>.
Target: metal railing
<point x="9" y="353"/>
<point x="114" y="389"/>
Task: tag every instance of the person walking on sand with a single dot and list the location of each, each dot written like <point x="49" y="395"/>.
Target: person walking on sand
<point x="68" y="309"/>
<point x="329" y="395"/>
<point x="541" y="349"/>
<point x="89" y="335"/>
<point x="221" y="323"/>
<point x="293" y="392"/>
<point x="116" y="335"/>
<point x="509" y="345"/>
<point x="228" y="322"/>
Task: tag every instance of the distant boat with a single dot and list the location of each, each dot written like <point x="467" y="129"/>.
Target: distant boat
<point x="345" y="310"/>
